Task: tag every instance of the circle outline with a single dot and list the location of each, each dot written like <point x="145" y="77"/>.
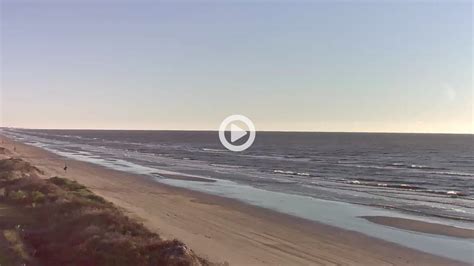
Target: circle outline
<point x="246" y="121"/>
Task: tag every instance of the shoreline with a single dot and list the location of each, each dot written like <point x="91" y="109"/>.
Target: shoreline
<point x="223" y="229"/>
<point x="421" y="227"/>
<point x="187" y="178"/>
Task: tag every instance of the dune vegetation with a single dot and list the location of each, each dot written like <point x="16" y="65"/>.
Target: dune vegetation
<point x="58" y="221"/>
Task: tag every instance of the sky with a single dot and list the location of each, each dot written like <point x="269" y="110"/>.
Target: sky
<point x="391" y="66"/>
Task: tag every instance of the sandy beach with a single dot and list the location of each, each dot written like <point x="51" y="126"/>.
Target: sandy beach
<point x="225" y="230"/>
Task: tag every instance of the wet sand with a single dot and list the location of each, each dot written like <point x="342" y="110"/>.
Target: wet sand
<point x="422" y="227"/>
<point x="225" y="230"/>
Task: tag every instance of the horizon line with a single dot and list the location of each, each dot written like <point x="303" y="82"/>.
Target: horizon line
<point x="269" y="131"/>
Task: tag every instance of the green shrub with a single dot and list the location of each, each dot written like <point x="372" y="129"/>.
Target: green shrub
<point x="66" y="184"/>
<point x="37" y="197"/>
<point x="88" y="195"/>
<point x="17" y="195"/>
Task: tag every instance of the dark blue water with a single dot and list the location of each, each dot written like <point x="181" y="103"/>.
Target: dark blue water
<point x="429" y="174"/>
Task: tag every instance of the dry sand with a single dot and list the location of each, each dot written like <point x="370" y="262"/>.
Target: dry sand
<point x="225" y="230"/>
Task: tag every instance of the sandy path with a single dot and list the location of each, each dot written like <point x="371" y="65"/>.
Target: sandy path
<point x="225" y="230"/>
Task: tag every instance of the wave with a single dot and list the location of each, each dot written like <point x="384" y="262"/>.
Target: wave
<point x="367" y="166"/>
<point x="451" y="193"/>
<point x="395" y="166"/>
<point x="296" y="158"/>
<point x="393" y="185"/>
<point x="221" y="165"/>
<point x="212" y="150"/>
<point x="416" y="166"/>
<point x="398" y="164"/>
<point x="290" y="173"/>
<point x="452" y="173"/>
<point x="425" y="167"/>
<point x="303" y="174"/>
<point x="284" y="172"/>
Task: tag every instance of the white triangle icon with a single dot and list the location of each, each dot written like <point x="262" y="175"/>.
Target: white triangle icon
<point x="236" y="133"/>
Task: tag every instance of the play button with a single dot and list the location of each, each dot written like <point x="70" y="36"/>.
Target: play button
<point x="236" y="133"/>
<point x="234" y="124"/>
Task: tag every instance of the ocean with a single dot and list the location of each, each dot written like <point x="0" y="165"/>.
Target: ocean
<point x="423" y="174"/>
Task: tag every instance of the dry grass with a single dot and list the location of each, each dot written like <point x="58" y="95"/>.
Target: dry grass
<point x="16" y="244"/>
<point x="13" y="168"/>
<point x="73" y="226"/>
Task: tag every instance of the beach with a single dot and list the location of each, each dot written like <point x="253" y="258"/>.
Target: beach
<point x="225" y="230"/>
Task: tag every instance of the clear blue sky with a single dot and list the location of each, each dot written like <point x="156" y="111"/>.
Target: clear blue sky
<point x="313" y="66"/>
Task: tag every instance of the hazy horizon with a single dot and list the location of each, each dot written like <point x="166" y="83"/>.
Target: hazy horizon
<point x="217" y="130"/>
<point x="400" y="67"/>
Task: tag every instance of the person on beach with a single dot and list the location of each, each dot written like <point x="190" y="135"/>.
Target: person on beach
<point x="65" y="167"/>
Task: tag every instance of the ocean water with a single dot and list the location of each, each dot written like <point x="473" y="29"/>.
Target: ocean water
<point x="425" y="174"/>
